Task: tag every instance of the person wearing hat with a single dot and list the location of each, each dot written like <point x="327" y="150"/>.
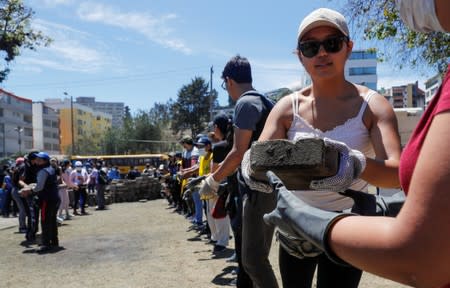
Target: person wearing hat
<point x="66" y="169"/>
<point x="411" y="248"/>
<point x="79" y="179"/>
<point x="189" y="163"/>
<point x="46" y="191"/>
<point x="353" y="119"/>
<point x="28" y="174"/>
<point x="201" y="168"/>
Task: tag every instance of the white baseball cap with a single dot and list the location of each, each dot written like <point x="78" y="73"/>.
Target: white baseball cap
<point x="323" y="17"/>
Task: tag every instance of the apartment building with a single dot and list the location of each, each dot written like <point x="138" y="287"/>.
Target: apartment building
<point x="116" y="109"/>
<point x="16" y="124"/>
<point x="46" y="136"/>
<point x="409" y="95"/>
<point x="79" y="125"/>
<point x="361" y="68"/>
<point x="431" y="87"/>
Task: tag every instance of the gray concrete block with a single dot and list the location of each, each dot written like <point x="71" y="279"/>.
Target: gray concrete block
<point x="295" y="163"/>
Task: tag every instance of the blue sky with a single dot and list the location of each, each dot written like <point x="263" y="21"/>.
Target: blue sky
<point x="142" y="52"/>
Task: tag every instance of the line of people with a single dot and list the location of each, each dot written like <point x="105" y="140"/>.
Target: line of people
<point x="313" y="226"/>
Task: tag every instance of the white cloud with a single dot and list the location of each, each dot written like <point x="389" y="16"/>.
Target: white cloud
<point x="51" y="3"/>
<point x="71" y="50"/>
<point x="270" y="74"/>
<point x="154" y="28"/>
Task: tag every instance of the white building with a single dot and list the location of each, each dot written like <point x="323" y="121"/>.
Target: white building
<point x="16" y="127"/>
<point x="431" y="86"/>
<point x="407" y="119"/>
<point x="46" y="136"/>
<point x="361" y="68"/>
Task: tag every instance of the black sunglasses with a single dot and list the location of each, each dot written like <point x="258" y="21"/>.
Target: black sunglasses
<point x="333" y="44"/>
<point x="224" y="84"/>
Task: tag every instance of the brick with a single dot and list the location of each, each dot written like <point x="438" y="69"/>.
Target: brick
<point x="295" y="163"/>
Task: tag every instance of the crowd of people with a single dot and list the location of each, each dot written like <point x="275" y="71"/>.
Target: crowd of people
<point x="336" y="227"/>
<point x="38" y="186"/>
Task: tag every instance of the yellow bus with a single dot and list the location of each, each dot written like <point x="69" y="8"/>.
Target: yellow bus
<point x="124" y="162"/>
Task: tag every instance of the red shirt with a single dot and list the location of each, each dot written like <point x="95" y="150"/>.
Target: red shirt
<point x="439" y="103"/>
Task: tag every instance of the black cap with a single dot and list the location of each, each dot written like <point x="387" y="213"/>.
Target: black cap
<point x="203" y="141"/>
<point x="222" y="121"/>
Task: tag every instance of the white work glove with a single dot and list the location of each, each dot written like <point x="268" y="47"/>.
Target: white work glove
<point x="247" y="173"/>
<point x="209" y="186"/>
<point x="351" y="164"/>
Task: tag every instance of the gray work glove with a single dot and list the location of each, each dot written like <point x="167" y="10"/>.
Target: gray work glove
<point x="192" y="182"/>
<point x="296" y="246"/>
<point x="375" y="205"/>
<point x="302" y="220"/>
<point x="247" y="174"/>
<point x="351" y="164"/>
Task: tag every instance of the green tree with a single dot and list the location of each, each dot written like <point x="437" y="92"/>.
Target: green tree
<point x="380" y="20"/>
<point x="127" y="132"/>
<point x="160" y="113"/>
<point x="86" y="146"/>
<point x="191" y="109"/>
<point x="16" y="33"/>
<point x="145" y="129"/>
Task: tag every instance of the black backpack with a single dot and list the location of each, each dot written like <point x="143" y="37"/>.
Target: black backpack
<point x="260" y="126"/>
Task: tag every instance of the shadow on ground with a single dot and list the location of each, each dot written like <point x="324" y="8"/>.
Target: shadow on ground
<point x="225" y="277"/>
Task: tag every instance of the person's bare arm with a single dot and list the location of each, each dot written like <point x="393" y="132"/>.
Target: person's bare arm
<point x="412" y="248"/>
<point x="188" y="172"/>
<point x="383" y="170"/>
<point x="442" y="12"/>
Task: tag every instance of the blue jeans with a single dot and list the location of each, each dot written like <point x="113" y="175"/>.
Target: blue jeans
<point x="198" y="207"/>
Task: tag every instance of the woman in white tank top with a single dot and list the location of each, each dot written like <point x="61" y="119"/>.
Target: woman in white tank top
<point x="339" y="110"/>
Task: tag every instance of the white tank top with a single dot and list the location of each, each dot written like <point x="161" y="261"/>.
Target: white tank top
<point x="353" y="132"/>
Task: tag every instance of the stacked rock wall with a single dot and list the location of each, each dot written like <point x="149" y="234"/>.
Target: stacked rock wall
<point x="124" y="190"/>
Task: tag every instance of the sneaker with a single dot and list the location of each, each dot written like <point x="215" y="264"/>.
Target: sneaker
<point x="60" y="220"/>
<point x="219" y="248"/>
<point x="232" y="282"/>
<point x="233" y="258"/>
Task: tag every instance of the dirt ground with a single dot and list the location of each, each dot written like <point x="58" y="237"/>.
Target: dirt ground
<point x="139" y="244"/>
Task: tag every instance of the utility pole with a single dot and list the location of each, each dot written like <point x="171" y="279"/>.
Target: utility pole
<point x="71" y="122"/>
<point x="19" y="130"/>
<point x="4" y="140"/>
<point x="211" y="95"/>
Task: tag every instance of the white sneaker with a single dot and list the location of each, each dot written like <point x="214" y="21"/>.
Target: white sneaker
<point x="59" y="220"/>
